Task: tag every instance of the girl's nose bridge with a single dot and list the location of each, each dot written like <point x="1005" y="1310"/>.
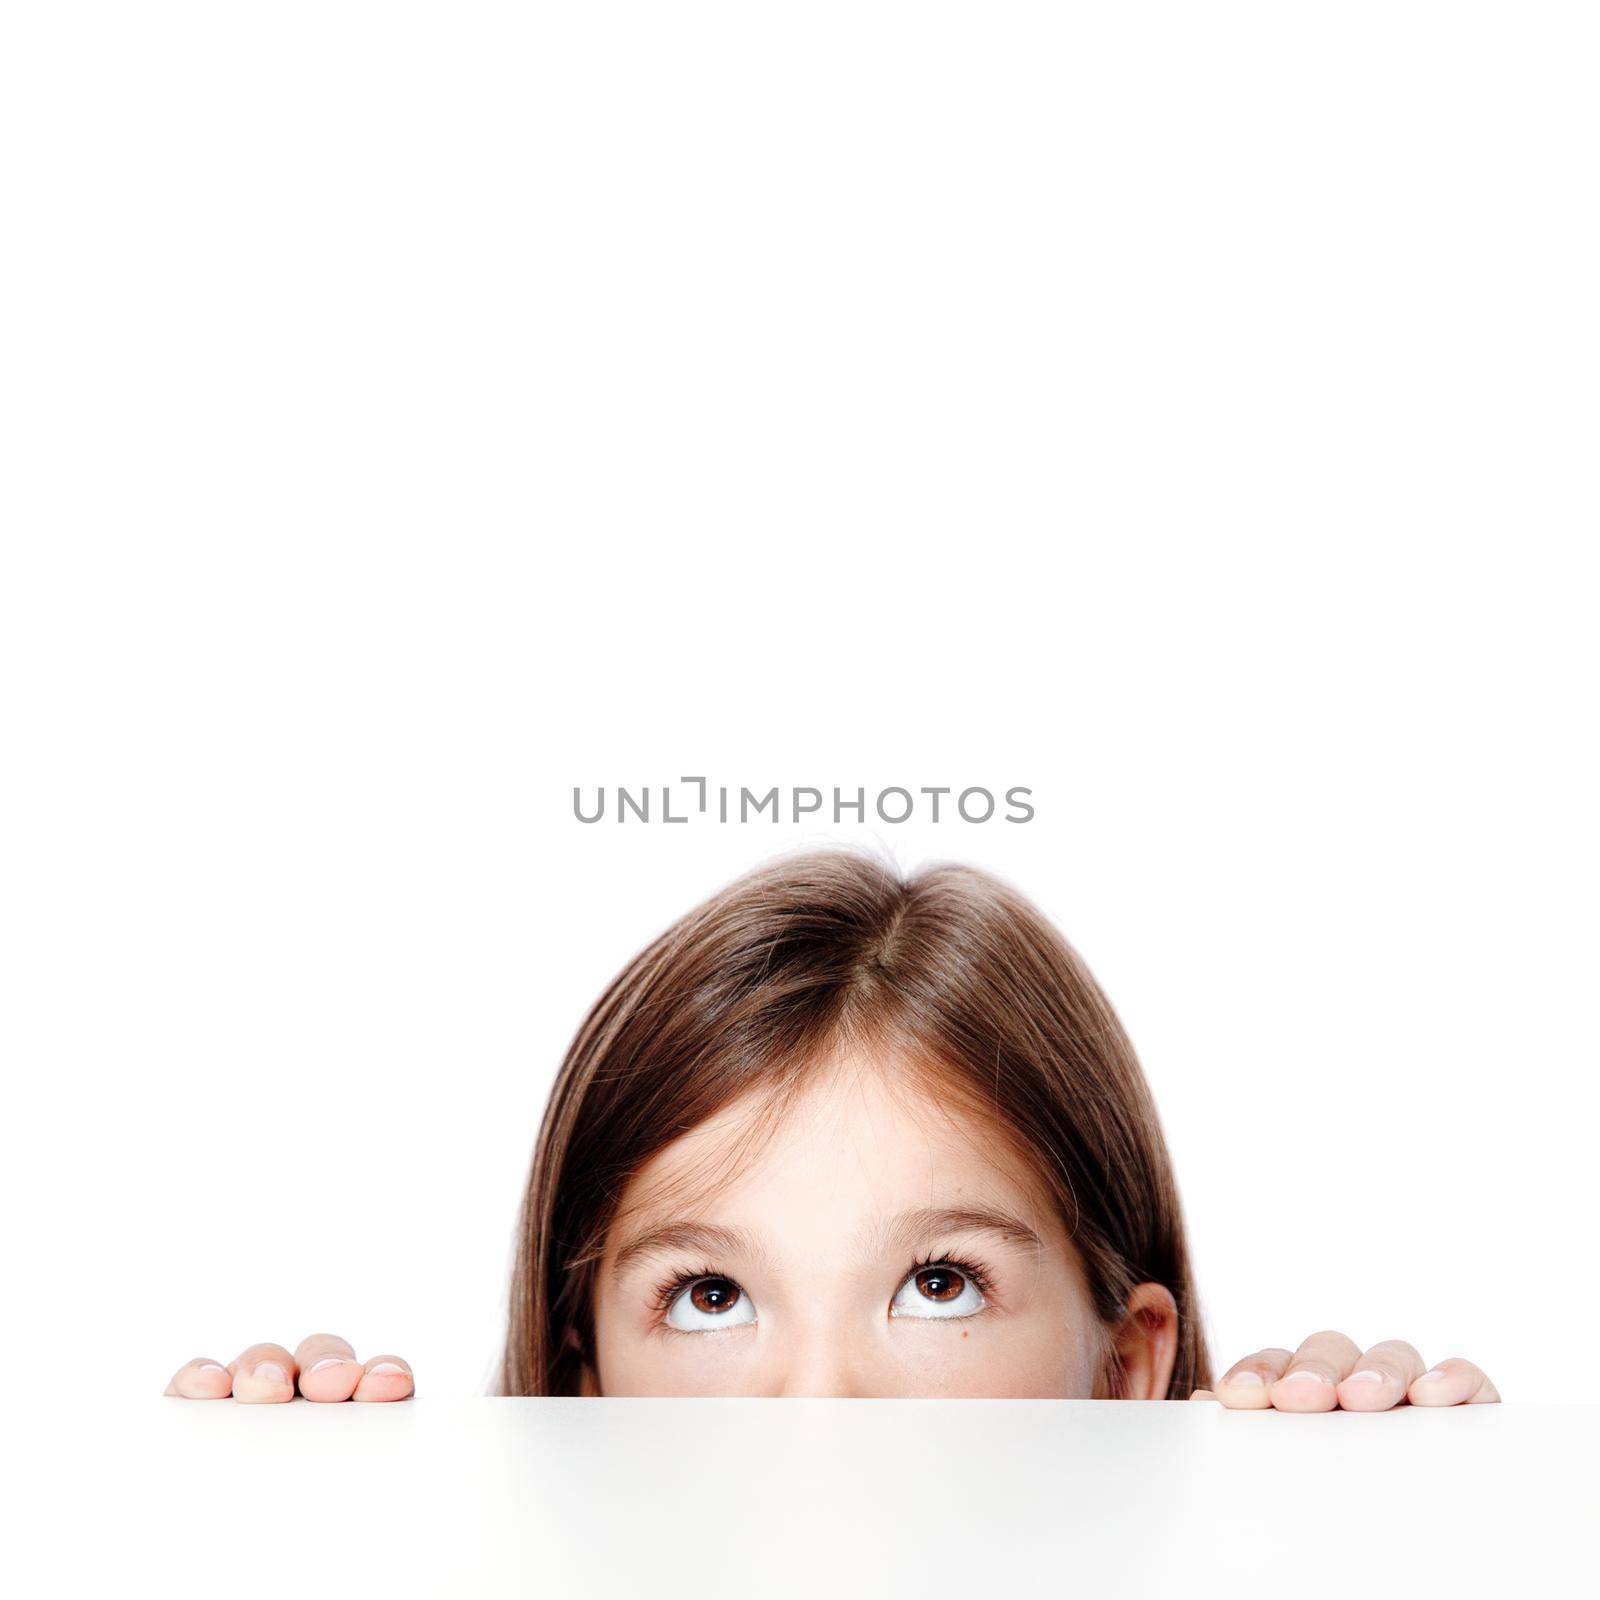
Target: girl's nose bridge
<point x="817" y="1379"/>
<point x="822" y="1357"/>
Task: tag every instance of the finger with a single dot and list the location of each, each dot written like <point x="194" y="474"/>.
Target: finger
<point x="1382" y="1376"/>
<point x="263" y="1375"/>
<point x="1321" y="1363"/>
<point x="201" y="1379"/>
<point x="328" y="1367"/>
<point x="1247" y="1384"/>
<point x="1453" y="1383"/>
<point x="1203" y="1394"/>
<point x="385" y="1378"/>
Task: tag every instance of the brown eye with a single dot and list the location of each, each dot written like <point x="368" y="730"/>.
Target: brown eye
<point x="939" y="1292"/>
<point x="713" y="1295"/>
<point x="940" y="1283"/>
<point x="710" y="1305"/>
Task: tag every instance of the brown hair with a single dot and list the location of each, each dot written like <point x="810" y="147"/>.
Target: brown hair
<point x="759" y="983"/>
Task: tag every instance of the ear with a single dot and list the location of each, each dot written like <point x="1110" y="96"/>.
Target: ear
<point x="1147" y="1342"/>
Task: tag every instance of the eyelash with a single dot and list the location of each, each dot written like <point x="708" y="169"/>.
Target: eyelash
<point x="974" y="1271"/>
<point x="670" y="1288"/>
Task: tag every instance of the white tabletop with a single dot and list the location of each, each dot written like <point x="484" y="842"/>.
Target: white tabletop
<point x="752" y="1497"/>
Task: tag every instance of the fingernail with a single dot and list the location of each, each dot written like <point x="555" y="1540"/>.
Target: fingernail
<point x="1303" y="1375"/>
<point x="1434" y="1375"/>
<point x="271" y="1371"/>
<point x="388" y="1366"/>
<point x="1366" y="1375"/>
<point x="1249" y="1375"/>
<point x="333" y="1361"/>
<point x="211" y="1366"/>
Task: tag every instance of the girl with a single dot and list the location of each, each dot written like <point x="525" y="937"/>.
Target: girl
<point x="845" y="1132"/>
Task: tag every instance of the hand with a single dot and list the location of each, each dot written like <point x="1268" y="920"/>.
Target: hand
<point x="265" y="1374"/>
<point x="1330" y="1371"/>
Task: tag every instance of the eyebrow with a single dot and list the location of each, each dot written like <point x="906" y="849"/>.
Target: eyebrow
<point x="906" y="1230"/>
<point x="705" y="1237"/>
<point x="913" y="1227"/>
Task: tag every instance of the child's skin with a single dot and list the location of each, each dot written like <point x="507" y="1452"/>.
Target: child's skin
<point x="824" y="1243"/>
<point x="322" y="1367"/>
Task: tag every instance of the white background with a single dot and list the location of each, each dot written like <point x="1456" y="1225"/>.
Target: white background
<point x="413" y="411"/>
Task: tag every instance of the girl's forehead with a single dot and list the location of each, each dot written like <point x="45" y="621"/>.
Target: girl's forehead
<point x="861" y="1134"/>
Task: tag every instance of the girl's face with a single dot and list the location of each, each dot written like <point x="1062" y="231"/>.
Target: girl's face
<point x="876" y="1245"/>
